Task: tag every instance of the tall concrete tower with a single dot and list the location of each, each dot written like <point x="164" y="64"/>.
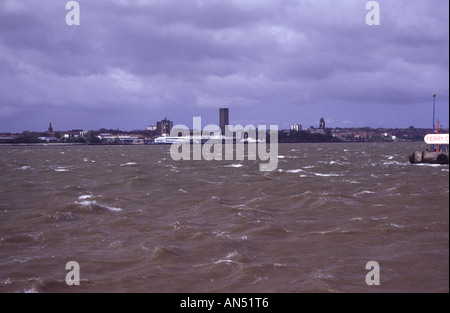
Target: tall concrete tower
<point x="164" y="127"/>
<point x="223" y="119"/>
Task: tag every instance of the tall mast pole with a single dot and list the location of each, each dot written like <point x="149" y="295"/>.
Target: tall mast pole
<point x="434" y="111"/>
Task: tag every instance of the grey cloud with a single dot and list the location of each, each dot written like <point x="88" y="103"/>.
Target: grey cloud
<point x="185" y="55"/>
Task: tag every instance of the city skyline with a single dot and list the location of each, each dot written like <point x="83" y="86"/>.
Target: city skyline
<point x="131" y="63"/>
<point x="157" y="126"/>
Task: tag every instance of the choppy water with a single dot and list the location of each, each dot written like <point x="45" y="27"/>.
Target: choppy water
<point x="137" y="221"/>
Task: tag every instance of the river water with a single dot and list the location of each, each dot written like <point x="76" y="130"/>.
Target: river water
<point x="137" y="221"/>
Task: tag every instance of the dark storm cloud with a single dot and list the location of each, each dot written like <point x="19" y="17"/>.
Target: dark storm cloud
<point x="149" y="56"/>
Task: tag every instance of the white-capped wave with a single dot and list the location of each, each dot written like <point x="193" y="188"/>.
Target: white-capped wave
<point x="235" y="165"/>
<point x="228" y="258"/>
<point x="83" y="197"/>
<point x="379" y="218"/>
<point x="363" y="192"/>
<point x="222" y="234"/>
<point x="114" y="209"/>
<point x="61" y="169"/>
<point x="299" y="170"/>
<point x="427" y="164"/>
<point x="88" y="203"/>
<point x="295" y="171"/>
<point x="327" y="175"/>
<point x="396" y="163"/>
<point x="396" y="225"/>
<point x="232" y="254"/>
<point x="338" y="162"/>
<point x="129" y="164"/>
<point x="225" y="261"/>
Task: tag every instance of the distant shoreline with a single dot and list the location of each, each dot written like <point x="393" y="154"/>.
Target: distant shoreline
<point x="152" y="144"/>
<point x="45" y="144"/>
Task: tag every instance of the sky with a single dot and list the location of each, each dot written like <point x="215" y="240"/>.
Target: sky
<point x="131" y="63"/>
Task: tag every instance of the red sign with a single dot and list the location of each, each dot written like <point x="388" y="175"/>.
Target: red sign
<point x="436" y="139"/>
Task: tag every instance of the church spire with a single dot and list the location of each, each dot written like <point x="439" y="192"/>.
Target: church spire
<point x="322" y="124"/>
<point x="50" y="128"/>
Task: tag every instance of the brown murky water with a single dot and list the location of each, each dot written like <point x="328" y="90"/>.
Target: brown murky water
<point x="137" y="221"/>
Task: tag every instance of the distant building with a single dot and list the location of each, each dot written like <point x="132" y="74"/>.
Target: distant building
<point x="320" y="130"/>
<point x="48" y="139"/>
<point x="223" y="119"/>
<point x="136" y="139"/>
<point x="164" y="127"/>
<point x="7" y="139"/>
<point x="75" y="133"/>
<point x="296" y="127"/>
<point x="322" y="124"/>
<point x="102" y="135"/>
<point x="50" y="128"/>
<point x="151" y="128"/>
